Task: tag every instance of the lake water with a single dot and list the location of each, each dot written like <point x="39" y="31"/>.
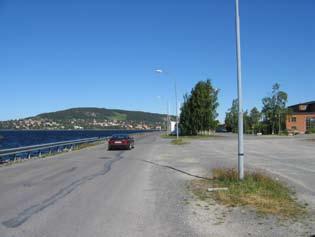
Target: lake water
<point x="12" y="139"/>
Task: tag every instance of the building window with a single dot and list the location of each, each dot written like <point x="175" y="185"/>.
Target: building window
<point x="310" y="124"/>
<point x="302" y="107"/>
<point x="293" y="119"/>
<point x="293" y="127"/>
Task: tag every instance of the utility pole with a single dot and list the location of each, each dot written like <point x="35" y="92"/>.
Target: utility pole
<point x="168" y="117"/>
<point x="239" y="94"/>
<point x="176" y="109"/>
<point x="279" y="123"/>
<point x="159" y="71"/>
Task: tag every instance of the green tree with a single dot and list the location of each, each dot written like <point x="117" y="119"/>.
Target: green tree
<point x="254" y="117"/>
<point x="250" y="119"/>
<point x="273" y="107"/>
<point x="185" y="117"/>
<point x="198" y="112"/>
<point x="247" y="122"/>
<point x="231" y="117"/>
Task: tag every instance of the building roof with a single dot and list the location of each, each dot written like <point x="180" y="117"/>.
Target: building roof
<point x="307" y="107"/>
<point x="305" y="103"/>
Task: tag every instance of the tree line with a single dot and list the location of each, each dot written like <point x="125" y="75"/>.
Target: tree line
<point x="270" y="120"/>
<point x="199" y="112"/>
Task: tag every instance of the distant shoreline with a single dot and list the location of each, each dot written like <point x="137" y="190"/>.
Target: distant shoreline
<point x="114" y="129"/>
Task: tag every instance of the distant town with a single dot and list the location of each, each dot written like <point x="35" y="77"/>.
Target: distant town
<point x="40" y="123"/>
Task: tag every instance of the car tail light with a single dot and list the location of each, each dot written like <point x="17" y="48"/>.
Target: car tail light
<point x="125" y="141"/>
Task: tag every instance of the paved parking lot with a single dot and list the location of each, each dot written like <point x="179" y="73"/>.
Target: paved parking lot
<point x="290" y="158"/>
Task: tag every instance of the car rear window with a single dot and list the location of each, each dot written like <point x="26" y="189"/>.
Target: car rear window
<point x="120" y="136"/>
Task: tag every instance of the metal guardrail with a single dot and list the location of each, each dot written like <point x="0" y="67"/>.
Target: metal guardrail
<point x="27" y="152"/>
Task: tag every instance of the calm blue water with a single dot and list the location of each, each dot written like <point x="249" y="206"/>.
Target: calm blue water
<point x="12" y="139"/>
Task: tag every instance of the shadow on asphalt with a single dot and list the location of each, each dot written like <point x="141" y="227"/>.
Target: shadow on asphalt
<point x="175" y="169"/>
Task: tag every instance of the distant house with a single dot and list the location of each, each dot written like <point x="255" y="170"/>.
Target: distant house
<point x="77" y="127"/>
<point x="158" y="128"/>
<point x="173" y="128"/>
<point x="301" y="117"/>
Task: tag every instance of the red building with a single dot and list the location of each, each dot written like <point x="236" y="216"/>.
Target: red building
<point x="301" y="117"/>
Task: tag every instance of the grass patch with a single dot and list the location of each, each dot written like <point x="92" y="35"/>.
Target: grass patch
<point x="257" y="190"/>
<point x="185" y="139"/>
<point x="200" y="137"/>
<point x="179" y="141"/>
<point x="167" y="136"/>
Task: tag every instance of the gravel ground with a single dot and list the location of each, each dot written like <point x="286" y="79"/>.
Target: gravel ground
<point x="291" y="159"/>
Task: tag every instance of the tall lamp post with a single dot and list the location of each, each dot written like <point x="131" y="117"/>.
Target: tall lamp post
<point x="239" y="94"/>
<point x="160" y="71"/>
<point x="167" y="114"/>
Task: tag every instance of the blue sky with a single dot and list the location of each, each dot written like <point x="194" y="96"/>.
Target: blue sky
<point x="62" y="54"/>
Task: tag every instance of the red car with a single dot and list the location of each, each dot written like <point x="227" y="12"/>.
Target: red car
<point x="121" y="141"/>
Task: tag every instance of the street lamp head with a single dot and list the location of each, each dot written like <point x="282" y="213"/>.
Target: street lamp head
<point x="158" y="71"/>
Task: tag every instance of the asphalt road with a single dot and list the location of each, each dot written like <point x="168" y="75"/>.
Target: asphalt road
<point x="92" y="192"/>
<point x="95" y="192"/>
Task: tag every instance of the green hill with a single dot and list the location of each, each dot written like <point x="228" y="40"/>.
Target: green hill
<point x="104" y="114"/>
<point x="89" y="118"/>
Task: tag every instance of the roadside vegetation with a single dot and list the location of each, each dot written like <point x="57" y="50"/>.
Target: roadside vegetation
<point x="179" y="141"/>
<point x="167" y="136"/>
<point x="197" y="137"/>
<point x="186" y="139"/>
<point x="257" y="190"/>
<point x="310" y="131"/>
<point x="270" y="120"/>
<point x="199" y="110"/>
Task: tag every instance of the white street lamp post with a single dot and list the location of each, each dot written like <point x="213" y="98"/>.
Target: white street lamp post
<point x="239" y="94"/>
<point x="176" y="110"/>
<point x="175" y="86"/>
